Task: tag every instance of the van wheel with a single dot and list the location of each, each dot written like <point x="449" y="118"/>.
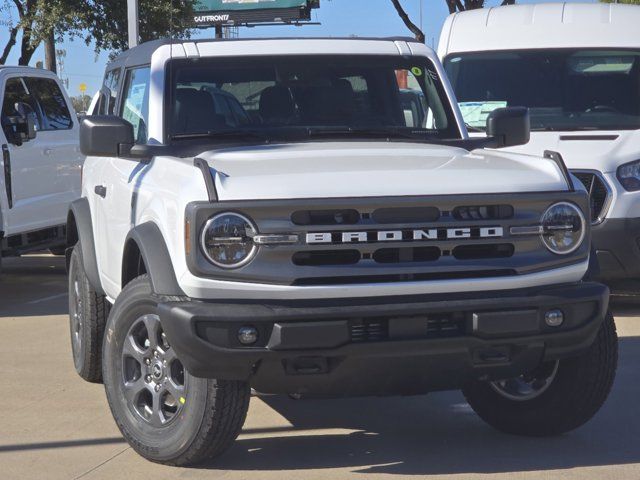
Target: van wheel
<point x="167" y="415"/>
<point x="88" y="312"/>
<point x="557" y="397"/>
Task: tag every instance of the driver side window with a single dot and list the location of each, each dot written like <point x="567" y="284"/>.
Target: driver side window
<point x="16" y="91"/>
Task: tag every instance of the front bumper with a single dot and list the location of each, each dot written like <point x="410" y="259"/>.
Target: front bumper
<point x="617" y="245"/>
<point x="400" y="345"/>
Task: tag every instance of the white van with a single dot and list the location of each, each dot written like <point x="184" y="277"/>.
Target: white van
<point x="577" y="67"/>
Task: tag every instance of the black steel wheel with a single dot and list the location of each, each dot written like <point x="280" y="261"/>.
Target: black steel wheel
<point x="88" y="312"/>
<point x="555" y="398"/>
<point x="167" y="415"/>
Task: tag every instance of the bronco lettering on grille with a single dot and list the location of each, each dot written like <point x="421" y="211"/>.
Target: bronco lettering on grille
<point x="405" y="235"/>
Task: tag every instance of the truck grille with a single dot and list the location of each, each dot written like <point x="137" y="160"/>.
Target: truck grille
<point x="350" y="241"/>
<point x="599" y="193"/>
<point x="442" y="325"/>
<point x="374" y="330"/>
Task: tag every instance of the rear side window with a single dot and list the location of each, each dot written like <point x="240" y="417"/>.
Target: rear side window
<point x="55" y="112"/>
<point x="112" y="84"/>
<point x="135" y="108"/>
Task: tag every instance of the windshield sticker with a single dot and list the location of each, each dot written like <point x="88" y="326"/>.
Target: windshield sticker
<point x="475" y="113"/>
<point x="417" y="71"/>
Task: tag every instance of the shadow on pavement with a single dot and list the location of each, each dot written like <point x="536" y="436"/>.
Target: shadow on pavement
<point x="625" y="305"/>
<point x="436" y="434"/>
<point x="33" y="285"/>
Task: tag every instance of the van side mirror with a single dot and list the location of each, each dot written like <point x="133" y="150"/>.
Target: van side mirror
<point x="105" y="136"/>
<point x="509" y="126"/>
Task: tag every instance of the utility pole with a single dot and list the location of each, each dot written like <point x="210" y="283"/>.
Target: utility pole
<point x="133" y="23"/>
<point x="50" y="52"/>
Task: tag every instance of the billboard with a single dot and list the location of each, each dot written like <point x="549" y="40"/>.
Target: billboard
<point x="239" y="12"/>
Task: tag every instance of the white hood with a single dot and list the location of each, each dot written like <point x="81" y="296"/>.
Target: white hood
<point x="364" y="169"/>
<point x="598" y="150"/>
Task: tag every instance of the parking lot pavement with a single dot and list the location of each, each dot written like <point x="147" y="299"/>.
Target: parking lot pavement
<point x="55" y="426"/>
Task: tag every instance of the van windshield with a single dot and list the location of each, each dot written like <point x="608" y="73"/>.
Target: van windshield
<point x="565" y="89"/>
<point x="288" y="96"/>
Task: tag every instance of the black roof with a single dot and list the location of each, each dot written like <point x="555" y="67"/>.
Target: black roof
<point x="141" y="55"/>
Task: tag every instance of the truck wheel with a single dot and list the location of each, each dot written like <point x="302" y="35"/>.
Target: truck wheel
<point x="167" y="415"/>
<point x="88" y="312"/>
<point x="557" y="397"/>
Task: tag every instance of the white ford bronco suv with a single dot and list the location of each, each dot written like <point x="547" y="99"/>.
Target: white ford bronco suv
<point x="41" y="161"/>
<point x="577" y="68"/>
<point x="309" y="217"/>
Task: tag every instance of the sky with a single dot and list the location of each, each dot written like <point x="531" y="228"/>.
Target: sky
<point x="364" y="18"/>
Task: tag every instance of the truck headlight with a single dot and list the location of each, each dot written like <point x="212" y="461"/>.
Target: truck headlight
<point x="227" y="240"/>
<point x="563" y="228"/>
<point x="629" y="176"/>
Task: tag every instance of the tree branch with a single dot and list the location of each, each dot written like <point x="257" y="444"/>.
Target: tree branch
<point x="419" y="34"/>
<point x="10" y="43"/>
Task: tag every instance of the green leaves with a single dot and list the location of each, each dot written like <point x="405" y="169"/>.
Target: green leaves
<point x="105" y="21"/>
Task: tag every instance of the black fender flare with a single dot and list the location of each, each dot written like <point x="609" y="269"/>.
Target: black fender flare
<point x="157" y="260"/>
<point x="80" y="213"/>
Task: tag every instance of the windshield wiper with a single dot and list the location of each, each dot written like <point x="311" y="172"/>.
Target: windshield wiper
<point x="222" y="134"/>
<point x="366" y="132"/>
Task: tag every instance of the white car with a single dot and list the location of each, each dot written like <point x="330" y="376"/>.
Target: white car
<point x="278" y="215"/>
<point x="41" y="161"/>
<point x="577" y="68"/>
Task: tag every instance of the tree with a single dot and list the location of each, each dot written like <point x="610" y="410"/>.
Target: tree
<point x="453" y="5"/>
<point x="38" y="21"/>
<point x="101" y="21"/>
<point x="106" y="22"/>
<point x="462" y="5"/>
<point x="629" y="2"/>
<point x="81" y="103"/>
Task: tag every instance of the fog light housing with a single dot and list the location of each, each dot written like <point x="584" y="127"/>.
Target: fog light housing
<point x="248" y="335"/>
<point x="554" y="318"/>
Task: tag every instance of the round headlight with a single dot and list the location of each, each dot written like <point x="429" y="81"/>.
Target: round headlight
<point x="629" y="176"/>
<point x="563" y="228"/>
<point x="227" y="240"/>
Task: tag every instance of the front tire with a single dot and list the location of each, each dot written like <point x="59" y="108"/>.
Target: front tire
<point x="167" y="415"/>
<point x="88" y="312"/>
<point x="557" y="398"/>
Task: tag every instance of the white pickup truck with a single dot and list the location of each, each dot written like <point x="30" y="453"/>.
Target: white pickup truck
<point x="41" y="161"/>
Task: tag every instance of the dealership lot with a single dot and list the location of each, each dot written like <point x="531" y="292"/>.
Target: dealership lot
<point x="54" y="422"/>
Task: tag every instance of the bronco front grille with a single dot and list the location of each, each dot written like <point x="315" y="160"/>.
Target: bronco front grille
<point x="352" y="241"/>
<point x="599" y="193"/>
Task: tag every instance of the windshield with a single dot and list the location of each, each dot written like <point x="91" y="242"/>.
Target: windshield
<point x="564" y="89"/>
<point x="276" y="97"/>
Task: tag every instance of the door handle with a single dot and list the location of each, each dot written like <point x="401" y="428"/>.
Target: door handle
<point x="100" y="190"/>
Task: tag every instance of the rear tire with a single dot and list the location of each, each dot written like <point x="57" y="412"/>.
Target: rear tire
<point x="576" y="389"/>
<point x="88" y="312"/>
<point x="166" y="415"/>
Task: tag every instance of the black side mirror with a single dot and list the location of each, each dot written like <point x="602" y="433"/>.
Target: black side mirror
<point x="105" y="136"/>
<point x="509" y="126"/>
<point x="22" y="126"/>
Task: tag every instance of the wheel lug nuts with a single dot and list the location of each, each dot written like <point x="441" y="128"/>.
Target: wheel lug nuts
<point x="147" y="378"/>
<point x="155" y="353"/>
<point x="157" y="388"/>
<point x="147" y="361"/>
